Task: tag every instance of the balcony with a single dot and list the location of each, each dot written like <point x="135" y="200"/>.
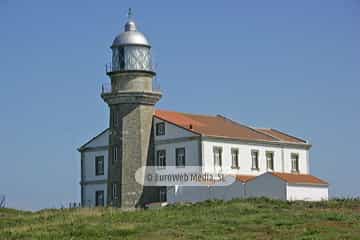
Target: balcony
<point x="107" y="88"/>
<point x="109" y="69"/>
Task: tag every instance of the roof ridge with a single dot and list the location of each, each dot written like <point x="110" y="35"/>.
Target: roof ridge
<point x="268" y="134"/>
<point x="186" y="113"/>
<point x="282" y="175"/>
<point x="303" y="140"/>
<point x="246" y="126"/>
<point x="248" y="177"/>
<point x="180" y="126"/>
<point x="82" y="146"/>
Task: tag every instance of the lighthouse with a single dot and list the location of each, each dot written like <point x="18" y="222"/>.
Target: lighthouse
<point x="131" y="99"/>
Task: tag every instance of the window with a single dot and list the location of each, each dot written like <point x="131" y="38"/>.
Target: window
<point x="235" y="158"/>
<point x="115" y="191"/>
<point x="115" y="118"/>
<point x="99" y="198"/>
<point x="121" y="58"/>
<point x="255" y="160"/>
<point x="99" y="165"/>
<point x="295" y="162"/>
<point x="180" y="157"/>
<point x="270" y="161"/>
<point x="115" y="154"/>
<point x="160" y="129"/>
<point x="217" y="156"/>
<point x="161" y="158"/>
<point x="163" y="195"/>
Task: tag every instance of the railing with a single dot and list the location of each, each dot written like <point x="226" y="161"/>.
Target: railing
<point x="156" y="85"/>
<point x="106" y="88"/>
<point x="108" y="68"/>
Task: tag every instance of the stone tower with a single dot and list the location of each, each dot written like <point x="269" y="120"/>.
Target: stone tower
<point x="131" y="99"/>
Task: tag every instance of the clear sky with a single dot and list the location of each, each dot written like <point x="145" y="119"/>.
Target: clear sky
<point x="290" y="65"/>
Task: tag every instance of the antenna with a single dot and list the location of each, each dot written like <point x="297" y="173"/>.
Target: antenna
<point x="130" y="14"/>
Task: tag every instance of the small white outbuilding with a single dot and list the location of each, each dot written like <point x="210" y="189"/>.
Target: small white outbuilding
<point x="286" y="186"/>
<point x="209" y="192"/>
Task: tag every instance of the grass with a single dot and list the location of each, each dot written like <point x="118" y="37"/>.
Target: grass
<point x="238" y="219"/>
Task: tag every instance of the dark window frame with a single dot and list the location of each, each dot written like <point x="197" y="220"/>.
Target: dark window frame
<point x="115" y="154"/>
<point x="295" y="169"/>
<point x="99" y="172"/>
<point x="236" y="151"/>
<point x="182" y="162"/>
<point x="115" y="117"/>
<point x="115" y="191"/>
<point x="97" y="196"/>
<point x="161" y="164"/>
<point x="270" y="153"/>
<point x="256" y="167"/>
<point x="121" y="51"/>
<point x="162" y="195"/>
<point x="160" y="129"/>
<point x="218" y="150"/>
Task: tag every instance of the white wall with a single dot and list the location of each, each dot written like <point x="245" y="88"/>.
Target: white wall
<point x="307" y="193"/>
<point x="89" y="193"/>
<point x="203" y="193"/>
<point x="89" y="165"/>
<point x="171" y="131"/>
<point x="97" y="147"/>
<point x="303" y="160"/>
<point x="90" y="182"/>
<point x="191" y="152"/>
<point x="282" y="157"/>
<point x="266" y="185"/>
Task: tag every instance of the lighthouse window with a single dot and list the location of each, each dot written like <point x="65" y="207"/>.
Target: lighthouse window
<point x="115" y="118"/>
<point x="115" y="154"/>
<point x="115" y="191"/>
<point x="121" y="58"/>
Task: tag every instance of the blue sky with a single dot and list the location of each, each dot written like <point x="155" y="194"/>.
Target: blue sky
<point x="290" y="65"/>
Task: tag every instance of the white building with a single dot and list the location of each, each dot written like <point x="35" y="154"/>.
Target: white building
<point x="266" y="162"/>
<point x="287" y="186"/>
<point x="262" y="162"/>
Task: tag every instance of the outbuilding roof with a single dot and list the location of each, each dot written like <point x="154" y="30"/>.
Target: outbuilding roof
<point x="220" y="126"/>
<point x="299" y="178"/>
<point x="244" y="178"/>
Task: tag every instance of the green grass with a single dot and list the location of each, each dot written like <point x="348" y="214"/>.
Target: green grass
<point x="238" y="219"/>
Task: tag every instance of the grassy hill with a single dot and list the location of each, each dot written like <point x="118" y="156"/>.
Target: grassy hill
<point x="238" y="219"/>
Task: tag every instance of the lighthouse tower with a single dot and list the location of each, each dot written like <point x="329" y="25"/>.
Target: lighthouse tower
<point x="131" y="99"/>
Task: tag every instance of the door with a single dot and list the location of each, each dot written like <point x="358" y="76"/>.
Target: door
<point x="99" y="198"/>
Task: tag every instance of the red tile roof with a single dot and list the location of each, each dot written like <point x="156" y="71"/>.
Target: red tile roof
<point x="220" y="126"/>
<point x="280" y="135"/>
<point x="299" y="178"/>
<point x="244" y="178"/>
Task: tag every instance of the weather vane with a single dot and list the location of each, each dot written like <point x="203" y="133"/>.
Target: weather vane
<point x="130" y="14"/>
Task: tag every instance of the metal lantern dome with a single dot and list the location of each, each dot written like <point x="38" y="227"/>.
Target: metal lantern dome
<point x="131" y="50"/>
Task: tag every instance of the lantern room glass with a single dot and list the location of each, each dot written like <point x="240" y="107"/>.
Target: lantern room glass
<point x="131" y="57"/>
